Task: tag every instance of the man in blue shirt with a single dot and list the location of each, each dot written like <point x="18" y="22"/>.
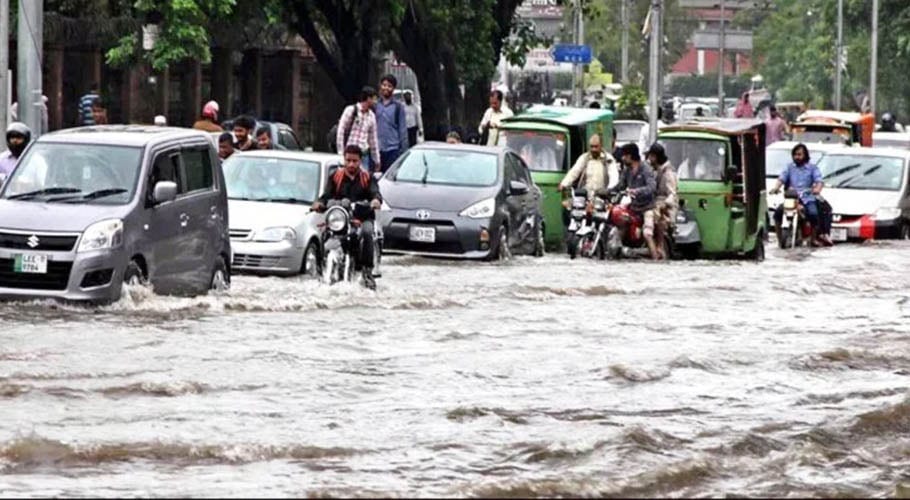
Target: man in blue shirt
<point x="806" y="179"/>
<point x="391" y="123"/>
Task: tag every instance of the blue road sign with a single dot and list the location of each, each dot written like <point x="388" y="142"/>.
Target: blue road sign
<point x="576" y="54"/>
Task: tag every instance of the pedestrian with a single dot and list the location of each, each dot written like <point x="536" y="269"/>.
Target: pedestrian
<point x="357" y="127"/>
<point x="264" y="140"/>
<point x="160" y="121"/>
<point x="85" y="106"/>
<point x="208" y="122"/>
<point x="99" y="112"/>
<point x="225" y="145"/>
<point x="391" y="123"/>
<point x="414" y="118"/>
<point x="453" y="138"/>
<point x="18" y="136"/>
<point x="775" y="127"/>
<point x="243" y="131"/>
<point x="489" y="124"/>
<point x="744" y="107"/>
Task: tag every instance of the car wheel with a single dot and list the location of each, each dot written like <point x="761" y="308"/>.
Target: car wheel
<point x="133" y="276"/>
<point x="503" y="251"/>
<point x="221" y="279"/>
<point x="905" y="231"/>
<point x="310" y="265"/>
<point x="539" y="243"/>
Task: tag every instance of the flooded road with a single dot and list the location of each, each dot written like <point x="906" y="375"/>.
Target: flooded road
<point x="535" y="377"/>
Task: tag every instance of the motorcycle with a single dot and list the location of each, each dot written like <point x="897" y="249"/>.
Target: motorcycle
<point x="794" y="227"/>
<point x="578" y="221"/>
<point x="340" y="240"/>
<point x="627" y="237"/>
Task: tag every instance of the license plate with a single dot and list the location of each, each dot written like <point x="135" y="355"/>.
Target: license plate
<point x="839" y="233"/>
<point x="422" y="234"/>
<point x="30" y="263"/>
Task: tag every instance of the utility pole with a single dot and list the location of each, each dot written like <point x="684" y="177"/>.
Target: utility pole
<point x="720" y="61"/>
<point x="840" y="55"/>
<point x="654" y="72"/>
<point x="873" y="71"/>
<point x="4" y="68"/>
<point x="579" y="70"/>
<point x="29" y="52"/>
<point x="624" y="13"/>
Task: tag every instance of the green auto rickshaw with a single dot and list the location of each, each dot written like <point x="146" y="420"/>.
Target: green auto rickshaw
<point x="550" y="139"/>
<point x="720" y="164"/>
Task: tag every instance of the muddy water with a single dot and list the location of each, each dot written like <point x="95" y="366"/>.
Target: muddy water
<point x="538" y="377"/>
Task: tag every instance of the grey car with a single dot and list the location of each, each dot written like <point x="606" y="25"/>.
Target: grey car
<point x="270" y="193"/>
<point x="461" y="201"/>
<point x="88" y="209"/>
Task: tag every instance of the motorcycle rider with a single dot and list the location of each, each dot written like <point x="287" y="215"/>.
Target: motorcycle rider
<point x="18" y="135"/>
<point x="595" y="169"/>
<point x="355" y="184"/>
<point x="638" y="180"/>
<point x="806" y="179"/>
<point x="889" y="124"/>
<point x="665" y="202"/>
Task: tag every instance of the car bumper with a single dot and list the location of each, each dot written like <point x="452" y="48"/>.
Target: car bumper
<point x="88" y="276"/>
<point x="456" y="237"/>
<point x="864" y="227"/>
<point x="283" y="257"/>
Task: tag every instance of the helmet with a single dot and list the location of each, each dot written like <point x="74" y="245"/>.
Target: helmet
<point x="211" y="110"/>
<point x="888" y="121"/>
<point x="657" y="150"/>
<point x="18" y="129"/>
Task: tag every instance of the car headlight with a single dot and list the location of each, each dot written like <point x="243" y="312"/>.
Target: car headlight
<point x="385" y="207"/>
<point x="275" y="234"/>
<point x="480" y="210"/>
<point x="887" y="213"/>
<point x="336" y="220"/>
<point x="102" y="235"/>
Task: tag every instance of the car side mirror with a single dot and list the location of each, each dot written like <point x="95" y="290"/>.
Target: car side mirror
<point x="165" y="191"/>
<point x="517" y="188"/>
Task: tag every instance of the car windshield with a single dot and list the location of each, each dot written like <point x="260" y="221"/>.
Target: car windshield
<point x="836" y="136"/>
<point x="76" y="173"/>
<point x="628" y="132"/>
<point x="696" y="159"/>
<point x="271" y="179"/>
<point x="776" y="160"/>
<point x="884" y="173"/>
<point x="448" y="166"/>
<point x="542" y="151"/>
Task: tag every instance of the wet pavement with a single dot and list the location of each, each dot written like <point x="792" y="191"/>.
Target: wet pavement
<point x="534" y="377"/>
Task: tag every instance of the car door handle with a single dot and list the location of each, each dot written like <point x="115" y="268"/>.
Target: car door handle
<point x="214" y="211"/>
<point x="184" y="220"/>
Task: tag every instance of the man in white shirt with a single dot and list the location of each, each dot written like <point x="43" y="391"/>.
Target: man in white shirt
<point x="493" y="117"/>
<point x="413" y="118"/>
<point x="595" y="169"/>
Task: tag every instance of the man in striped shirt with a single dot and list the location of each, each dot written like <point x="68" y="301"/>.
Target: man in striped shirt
<point x="357" y="127"/>
<point x="85" y="106"/>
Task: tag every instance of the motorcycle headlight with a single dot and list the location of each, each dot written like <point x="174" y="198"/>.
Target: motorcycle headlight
<point x="887" y="213"/>
<point x="789" y="203"/>
<point x="102" y="235"/>
<point x="275" y="234"/>
<point x="336" y="219"/>
<point x="480" y="210"/>
<point x="681" y="218"/>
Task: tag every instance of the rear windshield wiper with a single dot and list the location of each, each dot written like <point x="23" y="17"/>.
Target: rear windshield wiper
<point x="41" y="192"/>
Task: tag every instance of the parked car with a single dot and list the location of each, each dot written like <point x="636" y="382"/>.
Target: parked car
<point x="88" y="209"/>
<point x="898" y="140"/>
<point x="780" y="154"/>
<point x="461" y="201"/>
<point x="281" y="133"/>
<point x="868" y="192"/>
<point x="270" y="193"/>
<point x="635" y="131"/>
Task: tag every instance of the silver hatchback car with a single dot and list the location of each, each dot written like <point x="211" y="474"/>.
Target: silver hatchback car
<point x="87" y="209"/>
<point x="270" y="193"/>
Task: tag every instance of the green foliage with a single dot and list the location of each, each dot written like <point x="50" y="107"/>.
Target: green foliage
<point x="631" y="103"/>
<point x="706" y="85"/>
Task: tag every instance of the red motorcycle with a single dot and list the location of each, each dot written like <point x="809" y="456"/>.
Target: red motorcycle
<point x="627" y="236"/>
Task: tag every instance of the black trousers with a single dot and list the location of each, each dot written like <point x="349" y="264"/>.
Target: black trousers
<point x="365" y="259"/>
<point x="412" y="136"/>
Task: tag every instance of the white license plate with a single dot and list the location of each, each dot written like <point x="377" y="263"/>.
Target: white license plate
<point x="422" y="234"/>
<point x="30" y="263"/>
<point x="839" y="233"/>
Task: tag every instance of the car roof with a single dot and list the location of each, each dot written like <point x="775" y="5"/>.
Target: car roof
<point x="817" y="146"/>
<point x="121" y="135"/>
<point x="724" y="126"/>
<point x="461" y="147"/>
<point x="291" y="155"/>
<point x="843" y="116"/>
<point x="861" y="151"/>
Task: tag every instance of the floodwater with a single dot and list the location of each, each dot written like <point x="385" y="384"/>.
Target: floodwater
<point x="536" y="377"/>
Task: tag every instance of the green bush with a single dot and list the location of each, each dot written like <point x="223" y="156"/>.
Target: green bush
<point x="631" y="104"/>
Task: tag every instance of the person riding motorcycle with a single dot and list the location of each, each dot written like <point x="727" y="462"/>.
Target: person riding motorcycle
<point x="18" y="135"/>
<point x="889" y="123"/>
<point x="639" y="181"/>
<point x="355" y="184"/>
<point x="593" y="171"/>
<point x="666" y="203"/>
<point x="806" y="179"/>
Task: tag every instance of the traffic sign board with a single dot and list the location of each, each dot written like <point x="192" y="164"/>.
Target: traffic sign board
<point x="576" y="54"/>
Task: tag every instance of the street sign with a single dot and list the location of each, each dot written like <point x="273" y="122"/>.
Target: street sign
<point x="576" y="54"/>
